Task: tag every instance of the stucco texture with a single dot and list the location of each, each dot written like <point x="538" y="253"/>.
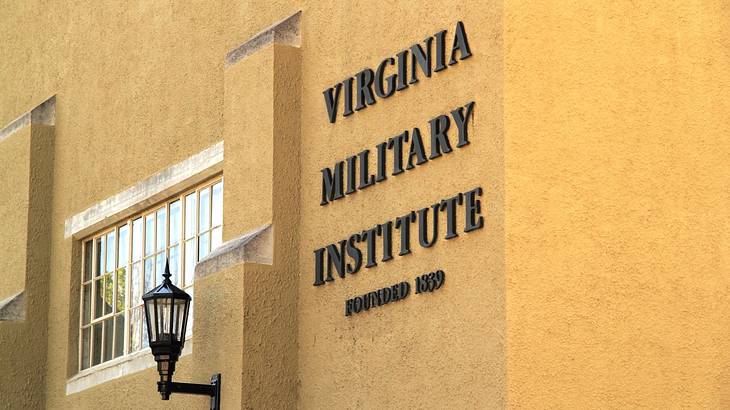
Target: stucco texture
<point x="23" y="340"/>
<point x="15" y="169"/>
<point x="441" y="350"/>
<point x="617" y="147"/>
<point x="600" y="138"/>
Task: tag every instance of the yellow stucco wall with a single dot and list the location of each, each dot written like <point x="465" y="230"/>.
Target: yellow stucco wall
<point x="15" y="168"/>
<point x="617" y="164"/>
<point x="26" y="264"/>
<point x="438" y="350"/>
<point x="599" y="137"/>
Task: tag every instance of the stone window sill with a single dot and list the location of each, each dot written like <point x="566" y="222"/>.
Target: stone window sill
<point x="116" y="368"/>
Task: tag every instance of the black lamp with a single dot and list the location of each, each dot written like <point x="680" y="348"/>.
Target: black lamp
<point x="166" y="309"/>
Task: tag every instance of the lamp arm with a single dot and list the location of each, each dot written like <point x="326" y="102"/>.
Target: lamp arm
<point x="213" y="390"/>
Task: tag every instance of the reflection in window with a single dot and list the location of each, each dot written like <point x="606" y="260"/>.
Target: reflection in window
<point x="121" y="263"/>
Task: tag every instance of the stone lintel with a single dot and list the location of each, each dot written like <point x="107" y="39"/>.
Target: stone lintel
<point x="256" y="246"/>
<point x="44" y="114"/>
<point x="13" y="308"/>
<point x="283" y="32"/>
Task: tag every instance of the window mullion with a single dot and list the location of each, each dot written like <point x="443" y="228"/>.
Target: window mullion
<point x="81" y="304"/>
<point x="127" y="287"/>
<point x="183" y="254"/>
<point x="197" y="224"/>
<point x="113" y="301"/>
<point x="154" y="250"/>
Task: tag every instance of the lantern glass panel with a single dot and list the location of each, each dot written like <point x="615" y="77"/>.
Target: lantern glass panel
<point x="151" y="316"/>
<point x="180" y="311"/>
<point x="164" y="312"/>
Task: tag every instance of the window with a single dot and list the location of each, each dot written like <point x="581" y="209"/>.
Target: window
<point x="123" y="262"/>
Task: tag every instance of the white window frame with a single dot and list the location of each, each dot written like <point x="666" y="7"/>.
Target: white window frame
<point x="214" y="233"/>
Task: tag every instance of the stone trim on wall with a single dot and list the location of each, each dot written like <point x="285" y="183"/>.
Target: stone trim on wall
<point x="256" y="246"/>
<point x="146" y="193"/>
<point x="117" y="368"/>
<point x="44" y="114"/>
<point x="283" y="32"/>
<point x="13" y="308"/>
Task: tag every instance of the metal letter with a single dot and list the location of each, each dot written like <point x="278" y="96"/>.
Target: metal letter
<point x="439" y="139"/>
<point x="368" y="236"/>
<point x="440" y="51"/>
<point x="386" y="230"/>
<point x="402" y="76"/>
<point x="336" y="258"/>
<point x="332" y="184"/>
<point x="354" y="252"/>
<point x="364" y="89"/>
<point x="462" y="123"/>
<point x="423" y="226"/>
<point x="331" y="101"/>
<point x="416" y="149"/>
<point x="318" y="268"/>
<point x="396" y="143"/>
<point x="473" y="208"/>
<point x="403" y="223"/>
<point x="422" y="58"/>
<point x="351" y="175"/>
<point x="380" y="89"/>
<point x="348" y="97"/>
<point x="366" y="179"/>
<point x="450" y="206"/>
<point x="380" y="174"/>
<point x="461" y="44"/>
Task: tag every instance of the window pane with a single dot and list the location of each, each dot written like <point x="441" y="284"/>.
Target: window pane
<point x="137" y="239"/>
<point x="98" y="298"/>
<point x="86" y="313"/>
<point x="190" y="216"/>
<point x="175" y="265"/>
<point x="108" y="339"/>
<point x="111" y="251"/>
<point x="100" y="256"/>
<point x="175" y="222"/>
<point x="160" y="267"/>
<point x="145" y="340"/>
<point x="218" y="204"/>
<point x="161" y="229"/>
<point x="203" y="245"/>
<point x="136" y="284"/>
<point x="119" y="333"/>
<point x="85" y="340"/>
<point x="179" y="316"/>
<point x="149" y="235"/>
<point x="204" y="213"/>
<point x="135" y="342"/>
<point x="190" y="258"/>
<point x="108" y="293"/>
<point x="96" y="345"/>
<point x="149" y="274"/>
<point x="216" y="238"/>
<point x="123" y="246"/>
<point x="121" y="288"/>
<point x="88" y="259"/>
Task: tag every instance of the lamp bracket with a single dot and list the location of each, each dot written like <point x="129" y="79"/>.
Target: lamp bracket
<point x="213" y="389"/>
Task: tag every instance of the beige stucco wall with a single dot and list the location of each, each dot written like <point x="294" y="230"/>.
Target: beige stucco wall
<point x="617" y="152"/>
<point x="599" y="137"/>
<point x="15" y="168"/>
<point x="439" y="350"/>
<point x="23" y="336"/>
